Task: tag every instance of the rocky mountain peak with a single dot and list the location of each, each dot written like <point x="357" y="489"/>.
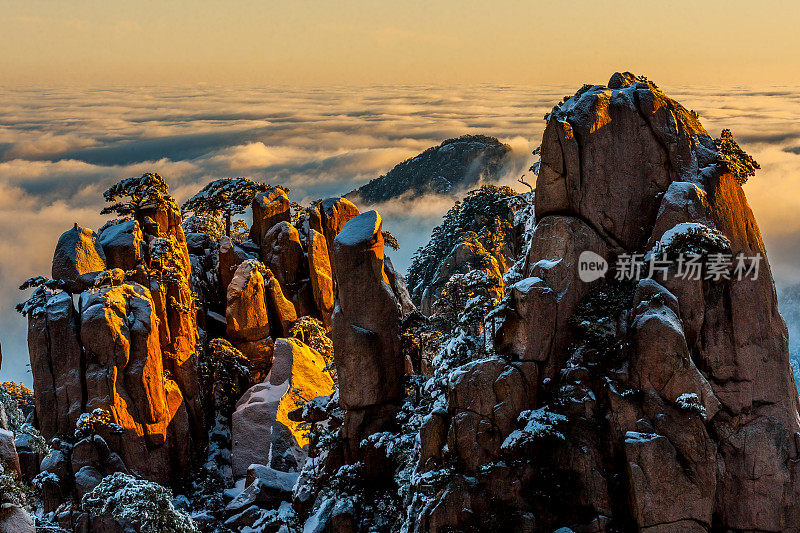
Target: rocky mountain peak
<point x="451" y="168"/>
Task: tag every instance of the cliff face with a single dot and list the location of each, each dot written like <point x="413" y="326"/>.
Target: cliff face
<point x="663" y="404"/>
<point x="291" y="380"/>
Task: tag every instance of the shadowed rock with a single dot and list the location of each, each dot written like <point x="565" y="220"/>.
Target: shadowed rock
<point x="123" y="245"/>
<point x="367" y="353"/>
<point x="57" y="364"/>
<point x="282" y="253"/>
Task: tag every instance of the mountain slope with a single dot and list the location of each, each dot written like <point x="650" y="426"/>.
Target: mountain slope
<point x="453" y="166"/>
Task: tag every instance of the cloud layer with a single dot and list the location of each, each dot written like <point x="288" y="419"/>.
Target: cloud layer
<point x="59" y="149"/>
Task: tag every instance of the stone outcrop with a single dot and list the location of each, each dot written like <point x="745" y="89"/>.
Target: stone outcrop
<point x="466" y="256"/>
<point x="319" y="266"/>
<point x="100" y="369"/>
<point x="262" y="432"/>
<point x="330" y="216"/>
<point x="230" y="256"/>
<point x="367" y="353"/>
<point x="662" y="405"/>
<point x="8" y="452"/>
<point x="269" y="208"/>
<point x="78" y="252"/>
<point x="171" y="291"/>
<point x="129" y="348"/>
<point x="281" y="311"/>
<point x="246" y="313"/>
<point x="265" y="488"/>
<point x="125" y="376"/>
<point x="123" y="245"/>
<point x="57" y="364"/>
<point x="282" y="253"/>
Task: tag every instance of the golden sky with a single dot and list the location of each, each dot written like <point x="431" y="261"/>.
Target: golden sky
<point x="146" y="42"/>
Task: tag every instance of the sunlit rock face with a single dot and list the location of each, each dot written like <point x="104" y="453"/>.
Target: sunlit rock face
<point x="666" y="404"/>
<point x="329" y="217"/>
<point x="127" y="351"/>
<point x="125" y="375"/>
<point x="78" y="252"/>
<point x="173" y="296"/>
<point x="106" y="355"/>
<point x="269" y="208"/>
<point x="262" y="432"/>
<point x="319" y="266"/>
<point x="246" y="313"/>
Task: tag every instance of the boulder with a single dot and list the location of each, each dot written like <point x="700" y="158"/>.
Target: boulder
<point x="199" y="243"/>
<point x="29" y="456"/>
<point x="77" y="252"/>
<point x="57" y="484"/>
<point x="264" y="487"/>
<point x="8" y="452"/>
<point x="246" y="313"/>
<point x="282" y="253"/>
<point x="269" y="208"/>
<point x="261" y="431"/>
<point x="259" y="355"/>
<point x="15" y="519"/>
<point x="661" y="361"/>
<point x="123" y="245"/>
<point x="230" y="256"/>
<point x="281" y="311"/>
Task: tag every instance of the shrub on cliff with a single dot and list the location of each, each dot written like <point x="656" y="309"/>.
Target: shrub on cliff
<point x="225" y="198"/>
<point x="486" y="211"/>
<point x="132" y="194"/>
<point x="143" y="503"/>
<point x="737" y="161"/>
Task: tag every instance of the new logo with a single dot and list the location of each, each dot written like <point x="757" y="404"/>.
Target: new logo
<point x="591" y="266"/>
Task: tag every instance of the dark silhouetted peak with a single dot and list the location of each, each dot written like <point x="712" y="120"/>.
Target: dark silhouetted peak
<point x="450" y="168"/>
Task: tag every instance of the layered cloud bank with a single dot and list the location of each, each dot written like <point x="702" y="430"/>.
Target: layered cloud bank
<point x="59" y="149"/>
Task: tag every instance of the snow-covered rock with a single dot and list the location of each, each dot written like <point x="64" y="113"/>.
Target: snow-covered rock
<point x="261" y="430"/>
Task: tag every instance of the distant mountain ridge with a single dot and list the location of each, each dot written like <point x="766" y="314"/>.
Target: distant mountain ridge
<point x="453" y="166"/>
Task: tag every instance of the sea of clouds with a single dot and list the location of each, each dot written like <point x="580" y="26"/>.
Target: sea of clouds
<point x="61" y="148"/>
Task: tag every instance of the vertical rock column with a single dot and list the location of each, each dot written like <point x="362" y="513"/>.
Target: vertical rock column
<point x="366" y="320"/>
